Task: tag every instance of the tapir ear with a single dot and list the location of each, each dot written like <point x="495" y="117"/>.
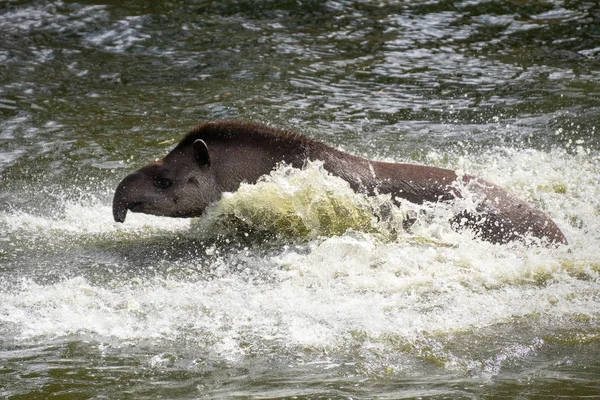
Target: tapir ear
<point x="201" y="153"/>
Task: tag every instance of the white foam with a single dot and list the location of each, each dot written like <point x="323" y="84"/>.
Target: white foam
<point x="325" y="290"/>
<point x="80" y="218"/>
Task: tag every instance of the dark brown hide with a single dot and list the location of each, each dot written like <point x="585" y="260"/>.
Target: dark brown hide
<point x="216" y="157"/>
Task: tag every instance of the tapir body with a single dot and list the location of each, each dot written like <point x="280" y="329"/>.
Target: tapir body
<point x="217" y="157"/>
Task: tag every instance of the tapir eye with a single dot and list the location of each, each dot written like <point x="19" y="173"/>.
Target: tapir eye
<point x="163" y="183"/>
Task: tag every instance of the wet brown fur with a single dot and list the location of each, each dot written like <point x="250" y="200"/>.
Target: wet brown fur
<point x="244" y="151"/>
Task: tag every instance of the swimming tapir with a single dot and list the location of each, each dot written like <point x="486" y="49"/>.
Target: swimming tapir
<point x="217" y="157"/>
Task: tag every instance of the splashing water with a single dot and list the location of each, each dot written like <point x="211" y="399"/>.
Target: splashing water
<point x="297" y="286"/>
<point x="344" y="278"/>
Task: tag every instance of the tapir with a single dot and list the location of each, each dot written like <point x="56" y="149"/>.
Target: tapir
<point x="216" y="157"/>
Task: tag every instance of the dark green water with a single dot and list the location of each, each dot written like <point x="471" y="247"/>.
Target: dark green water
<point x="159" y="308"/>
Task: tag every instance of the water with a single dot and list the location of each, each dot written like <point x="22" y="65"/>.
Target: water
<point x="295" y="286"/>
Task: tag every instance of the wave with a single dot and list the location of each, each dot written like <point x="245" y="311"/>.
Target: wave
<point x="327" y="269"/>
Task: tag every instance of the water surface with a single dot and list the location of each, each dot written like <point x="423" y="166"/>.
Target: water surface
<point x="295" y="286"/>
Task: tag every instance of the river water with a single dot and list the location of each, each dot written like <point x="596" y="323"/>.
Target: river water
<point x="293" y="287"/>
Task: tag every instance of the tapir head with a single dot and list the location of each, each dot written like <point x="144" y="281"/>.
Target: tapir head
<point x="180" y="185"/>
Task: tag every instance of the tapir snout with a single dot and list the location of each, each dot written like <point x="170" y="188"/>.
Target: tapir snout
<point x="128" y="196"/>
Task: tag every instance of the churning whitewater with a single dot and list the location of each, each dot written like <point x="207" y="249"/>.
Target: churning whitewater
<point x="299" y="261"/>
<point x="296" y="286"/>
